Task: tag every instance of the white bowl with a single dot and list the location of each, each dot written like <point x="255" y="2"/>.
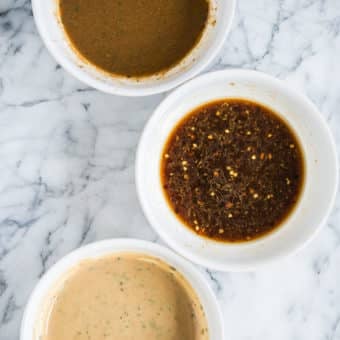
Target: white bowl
<point x="46" y="17"/>
<point x="98" y="249"/>
<point x="321" y="169"/>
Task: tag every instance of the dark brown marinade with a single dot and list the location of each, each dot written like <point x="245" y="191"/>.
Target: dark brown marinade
<point x="232" y="170"/>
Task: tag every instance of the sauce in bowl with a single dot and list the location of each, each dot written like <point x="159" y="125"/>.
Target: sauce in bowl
<point x="124" y="296"/>
<point x="134" y="38"/>
<point x="232" y="170"/>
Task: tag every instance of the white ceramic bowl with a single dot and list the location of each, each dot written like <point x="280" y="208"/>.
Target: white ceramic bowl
<point x="95" y="250"/>
<point x="53" y="35"/>
<point x="321" y="169"/>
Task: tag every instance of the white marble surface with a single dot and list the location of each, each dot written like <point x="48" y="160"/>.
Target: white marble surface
<point x="67" y="167"/>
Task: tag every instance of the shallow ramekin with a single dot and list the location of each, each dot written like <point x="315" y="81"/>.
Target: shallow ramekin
<point x="102" y="248"/>
<point x="46" y="17"/>
<point x="321" y="179"/>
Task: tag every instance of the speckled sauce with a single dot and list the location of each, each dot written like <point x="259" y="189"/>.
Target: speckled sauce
<point x="123" y="297"/>
<point x="232" y="170"/>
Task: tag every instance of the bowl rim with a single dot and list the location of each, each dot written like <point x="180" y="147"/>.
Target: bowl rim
<point x="93" y="82"/>
<point x="173" y="96"/>
<point x="120" y="245"/>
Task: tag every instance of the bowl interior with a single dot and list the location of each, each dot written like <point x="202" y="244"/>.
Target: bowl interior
<point x="51" y="30"/>
<point x="320" y="158"/>
<point x="35" y="305"/>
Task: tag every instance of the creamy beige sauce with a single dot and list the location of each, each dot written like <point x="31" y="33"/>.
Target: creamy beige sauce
<point x="123" y="297"/>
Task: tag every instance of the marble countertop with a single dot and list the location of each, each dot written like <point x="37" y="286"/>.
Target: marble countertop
<point x="67" y="167"/>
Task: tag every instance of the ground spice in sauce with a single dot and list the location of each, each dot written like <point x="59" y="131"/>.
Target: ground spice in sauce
<point x="232" y="170"/>
<point x="125" y="296"/>
<point x="134" y="37"/>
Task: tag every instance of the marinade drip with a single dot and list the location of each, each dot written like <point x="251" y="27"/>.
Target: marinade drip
<point x="232" y="170"/>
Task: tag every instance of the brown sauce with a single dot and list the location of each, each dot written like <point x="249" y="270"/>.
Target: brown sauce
<point x="134" y="38"/>
<point x="123" y="297"/>
<point x="232" y="170"/>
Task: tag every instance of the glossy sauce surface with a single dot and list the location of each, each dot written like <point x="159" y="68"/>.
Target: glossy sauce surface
<point x="232" y="170"/>
<point x="123" y="297"/>
<point x="134" y="38"/>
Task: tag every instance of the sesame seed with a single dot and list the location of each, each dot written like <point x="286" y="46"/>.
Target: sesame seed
<point x="218" y="113"/>
<point x="212" y="194"/>
<point x="186" y="176"/>
<point x="270" y="156"/>
<point x="292" y="146"/>
<point x="269" y="135"/>
<point x="255" y="195"/>
<point x="197" y="228"/>
<point x="233" y="173"/>
<point x="220" y="231"/>
<point x="184" y="162"/>
<point x="253" y="157"/>
<point x="166" y="155"/>
<point x="194" y="145"/>
<point x="226" y="130"/>
<point x="248" y="133"/>
<point x="210" y="137"/>
<point x="185" y="168"/>
<point x="230" y="215"/>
